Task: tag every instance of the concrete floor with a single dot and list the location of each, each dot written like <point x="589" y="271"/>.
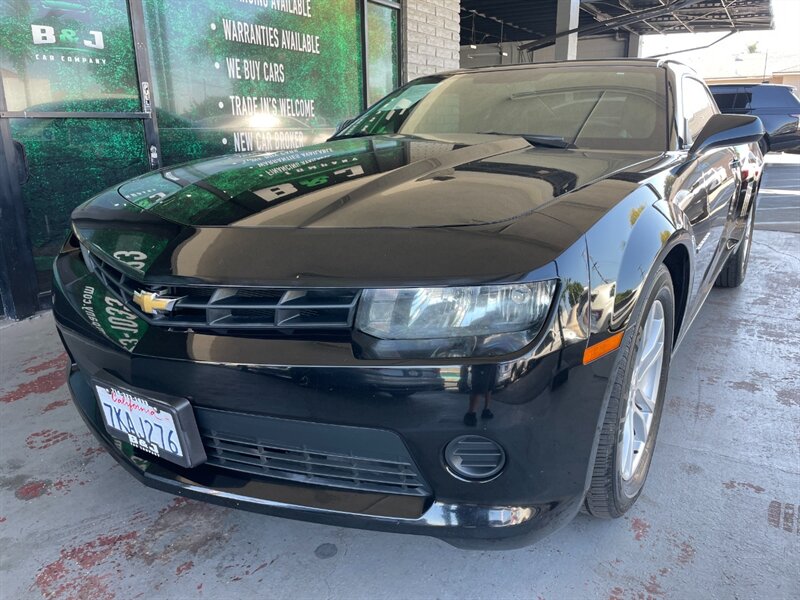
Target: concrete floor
<point x="779" y="201"/>
<point x="719" y="517"/>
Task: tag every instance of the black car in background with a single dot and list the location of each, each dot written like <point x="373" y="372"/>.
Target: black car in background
<point x="454" y="318"/>
<point x="776" y="105"/>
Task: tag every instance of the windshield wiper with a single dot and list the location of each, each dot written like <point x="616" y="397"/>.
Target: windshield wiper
<point x="361" y="134"/>
<point x="546" y="141"/>
<point x="357" y="134"/>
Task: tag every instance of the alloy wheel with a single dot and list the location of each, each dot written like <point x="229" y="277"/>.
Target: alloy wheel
<point x="643" y="392"/>
<point x="748" y="238"/>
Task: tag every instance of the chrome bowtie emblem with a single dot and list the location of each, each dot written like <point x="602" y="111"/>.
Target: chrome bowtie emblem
<point x="154" y="303"/>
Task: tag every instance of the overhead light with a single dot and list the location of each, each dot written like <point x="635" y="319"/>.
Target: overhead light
<point x="504" y="53"/>
<point x="473" y="47"/>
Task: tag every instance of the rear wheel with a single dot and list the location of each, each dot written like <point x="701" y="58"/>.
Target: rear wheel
<point x="636" y="401"/>
<point x="735" y="269"/>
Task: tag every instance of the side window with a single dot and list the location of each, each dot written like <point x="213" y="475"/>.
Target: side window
<point x="743" y="99"/>
<point x="698" y="106"/>
<point x="725" y="100"/>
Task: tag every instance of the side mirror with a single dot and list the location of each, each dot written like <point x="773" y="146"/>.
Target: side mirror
<point x="728" y="130"/>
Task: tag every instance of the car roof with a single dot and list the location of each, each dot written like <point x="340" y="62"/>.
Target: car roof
<point x="720" y="86"/>
<point x="591" y="62"/>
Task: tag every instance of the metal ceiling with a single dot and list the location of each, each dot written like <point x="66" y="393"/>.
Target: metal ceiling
<point x="487" y="21"/>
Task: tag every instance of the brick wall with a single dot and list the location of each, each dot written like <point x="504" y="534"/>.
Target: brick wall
<point x="431" y="36"/>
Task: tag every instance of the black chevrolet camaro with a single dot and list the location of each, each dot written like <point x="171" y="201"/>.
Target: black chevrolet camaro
<point x="454" y="318"/>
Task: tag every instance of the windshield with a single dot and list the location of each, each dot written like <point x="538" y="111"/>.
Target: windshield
<point x="619" y="108"/>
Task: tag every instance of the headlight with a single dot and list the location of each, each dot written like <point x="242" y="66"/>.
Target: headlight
<point x="457" y="321"/>
<point x="73" y="242"/>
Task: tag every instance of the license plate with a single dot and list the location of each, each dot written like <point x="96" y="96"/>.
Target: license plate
<point x="146" y="424"/>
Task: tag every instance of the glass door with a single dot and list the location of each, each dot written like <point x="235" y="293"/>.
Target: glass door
<point x="74" y="114"/>
<point x="382" y="48"/>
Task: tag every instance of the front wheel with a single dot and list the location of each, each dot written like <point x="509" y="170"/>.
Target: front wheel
<point x="635" y="404"/>
<point x="735" y="269"/>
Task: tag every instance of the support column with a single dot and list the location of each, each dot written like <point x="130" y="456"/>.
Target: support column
<point x="634" y="49"/>
<point x="18" y="287"/>
<point x="566" y="19"/>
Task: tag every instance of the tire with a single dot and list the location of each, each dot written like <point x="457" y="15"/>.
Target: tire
<point x="611" y="493"/>
<point x="735" y="269"/>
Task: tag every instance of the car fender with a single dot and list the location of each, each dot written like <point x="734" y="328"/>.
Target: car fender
<point x="624" y="247"/>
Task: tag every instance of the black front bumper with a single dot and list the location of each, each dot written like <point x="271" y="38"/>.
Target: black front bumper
<point x="547" y="409"/>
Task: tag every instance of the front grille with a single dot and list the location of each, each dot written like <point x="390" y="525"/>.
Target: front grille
<point x="237" y="308"/>
<point x="321" y="467"/>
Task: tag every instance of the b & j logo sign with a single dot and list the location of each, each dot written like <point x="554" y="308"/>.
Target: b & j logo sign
<point x="64" y="40"/>
<point x="66" y="31"/>
<point x="44" y="34"/>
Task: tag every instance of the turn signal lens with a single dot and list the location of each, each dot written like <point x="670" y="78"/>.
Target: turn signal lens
<point x="600" y="349"/>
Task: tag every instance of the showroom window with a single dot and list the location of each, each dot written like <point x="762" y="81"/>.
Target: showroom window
<point x="71" y="106"/>
<point x="383" y="49"/>
<point x="93" y="92"/>
<point x="219" y="92"/>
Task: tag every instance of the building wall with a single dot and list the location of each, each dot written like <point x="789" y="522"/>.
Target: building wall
<point x="789" y="78"/>
<point x="487" y="55"/>
<point x="792" y="79"/>
<point x="431" y="37"/>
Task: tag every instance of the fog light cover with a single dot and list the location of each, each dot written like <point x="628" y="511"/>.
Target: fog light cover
<point x="474" y="457"/>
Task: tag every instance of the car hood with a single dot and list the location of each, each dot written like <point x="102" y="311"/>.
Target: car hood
<point x="383" y="181"/>
<point x="384" y="210"/>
